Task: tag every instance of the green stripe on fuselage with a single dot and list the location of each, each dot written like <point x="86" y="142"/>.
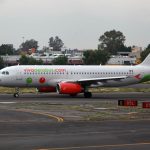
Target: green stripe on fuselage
<point x="145" y="78"/>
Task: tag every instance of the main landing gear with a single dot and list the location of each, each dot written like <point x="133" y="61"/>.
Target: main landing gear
<point x="16" y="94"/>
<point x="87" y="94"/>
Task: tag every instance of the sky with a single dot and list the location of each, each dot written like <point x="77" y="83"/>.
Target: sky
<point x="79" y="23"/>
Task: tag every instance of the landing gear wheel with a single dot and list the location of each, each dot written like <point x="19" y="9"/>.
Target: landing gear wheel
<point x="16" y="95"/>
<point x="87" y="94"/>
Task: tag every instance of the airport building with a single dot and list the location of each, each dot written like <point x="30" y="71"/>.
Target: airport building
<point x="75" y="57"/>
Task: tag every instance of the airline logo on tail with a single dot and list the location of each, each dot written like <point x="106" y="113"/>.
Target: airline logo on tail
<point x="137" y="76"/>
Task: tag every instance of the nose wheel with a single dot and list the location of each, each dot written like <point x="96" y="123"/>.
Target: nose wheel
<point x="16" y="94"/>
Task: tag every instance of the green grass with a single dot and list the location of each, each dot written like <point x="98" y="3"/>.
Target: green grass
<point x="104" y="90"/>
<point x="7" y="90"/>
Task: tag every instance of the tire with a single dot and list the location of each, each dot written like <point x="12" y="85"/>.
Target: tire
<point x="87" y="94"/>
<point x="16" y="95"/>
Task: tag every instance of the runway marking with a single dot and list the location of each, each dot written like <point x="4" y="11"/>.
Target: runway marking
<point x="7" y="102"/>
<point x="98" y="146"/>
<point x="59" y="119"/>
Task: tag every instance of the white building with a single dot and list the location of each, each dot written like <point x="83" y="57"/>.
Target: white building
<point x="121" y="60"/>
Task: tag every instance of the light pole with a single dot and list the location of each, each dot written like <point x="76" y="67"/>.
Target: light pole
<point x="23" y="39"/>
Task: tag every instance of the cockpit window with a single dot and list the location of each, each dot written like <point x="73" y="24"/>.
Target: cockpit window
<point x="5" y="73"/>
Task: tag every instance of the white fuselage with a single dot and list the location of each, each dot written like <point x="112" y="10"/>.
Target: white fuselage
<point x="40" y="76"/>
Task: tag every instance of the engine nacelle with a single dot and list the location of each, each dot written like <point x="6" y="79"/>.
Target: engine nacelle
<point x="46" y="89"/>
<point x="69" y="88"/>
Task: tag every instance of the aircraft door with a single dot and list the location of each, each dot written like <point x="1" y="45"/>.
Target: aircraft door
<point x="19" y="79"/>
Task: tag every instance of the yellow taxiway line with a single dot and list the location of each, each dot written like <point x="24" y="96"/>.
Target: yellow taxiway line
<point x="59" y="119"/>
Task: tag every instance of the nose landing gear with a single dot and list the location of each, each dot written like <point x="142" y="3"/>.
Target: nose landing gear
<point x="16" y="94"/>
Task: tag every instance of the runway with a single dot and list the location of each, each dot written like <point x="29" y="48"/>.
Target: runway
<point x="62" y="98"/>
<point x="32" y="122"/>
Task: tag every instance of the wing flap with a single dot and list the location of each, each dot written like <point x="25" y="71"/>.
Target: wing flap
<point x="102" y="79"/>
<point x="89" y="81"/>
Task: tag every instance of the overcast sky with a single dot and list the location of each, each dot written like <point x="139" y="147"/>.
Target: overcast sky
<point x="79" y="23"/>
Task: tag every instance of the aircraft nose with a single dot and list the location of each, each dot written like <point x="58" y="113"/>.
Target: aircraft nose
<point x="0" y="79"/>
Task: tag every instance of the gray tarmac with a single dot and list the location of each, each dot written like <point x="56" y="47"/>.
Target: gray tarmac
<point x="23" y="130"/>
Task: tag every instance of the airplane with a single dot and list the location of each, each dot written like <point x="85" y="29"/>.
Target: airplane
<point x="72" y="80"/>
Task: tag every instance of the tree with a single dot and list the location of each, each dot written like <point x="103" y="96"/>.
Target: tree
<point x="1" y="63"/>
<point x="24" y="60"/>
<point x="148" y="47"/>
<point x="89" y="57"/>
<point x="145" y="53"/>
<point x="111" y="41"/>
<point x="56" y="43"/>
<point x="39" y="62"/>
<point x="61" y="60"/>
<point x="95" y="57"/>
<point x="6" y="49"/>
<point x="28" y="44"/>
<point x="124" y="48"/>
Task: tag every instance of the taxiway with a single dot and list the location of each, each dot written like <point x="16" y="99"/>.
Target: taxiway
<point x="23" y="129"/>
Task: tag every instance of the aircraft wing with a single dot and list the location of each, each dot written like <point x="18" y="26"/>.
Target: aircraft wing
<point x="89" y="81"/>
